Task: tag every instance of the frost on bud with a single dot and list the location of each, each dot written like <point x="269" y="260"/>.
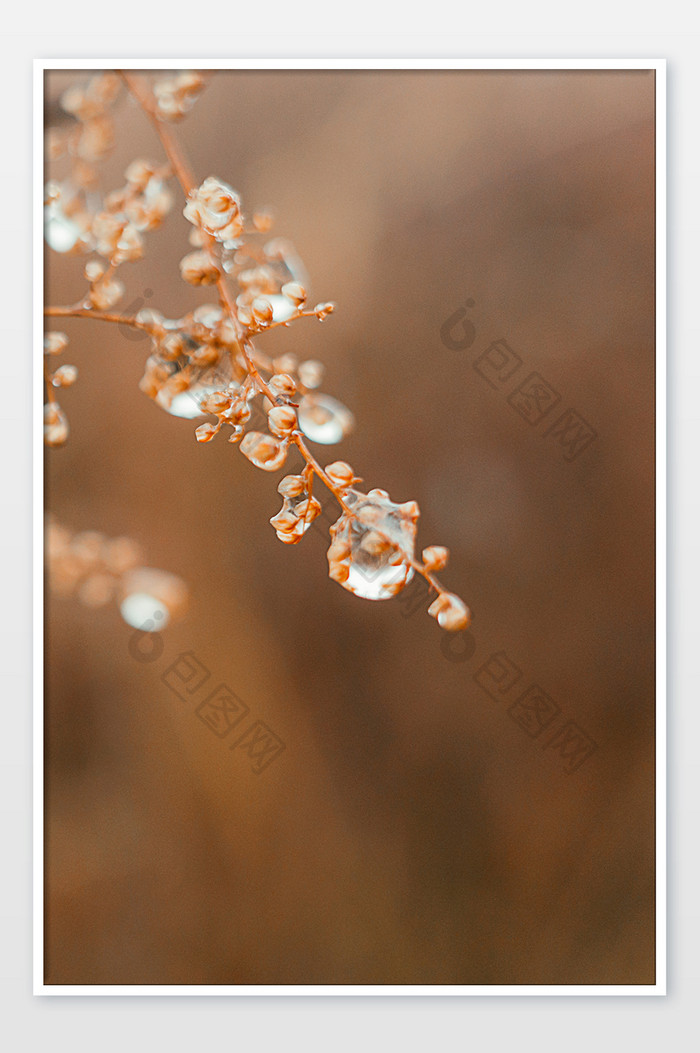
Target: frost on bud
<point x="450" y="612"/>
<point x="55" y="425"/>
<point x="435" y="557"/>
<point x="197" y="269"/>
<point x="322" y="310"/>
<point x="55" y="343"/>
<point x="340" y="473"/>
<point x="281" y="384"/>
<point x="263" y="451"/>
<point x="206" y="432"/>
<point x="282" y="421"/>
<point x="294" y="292"/>
<point x="292" y="486"/>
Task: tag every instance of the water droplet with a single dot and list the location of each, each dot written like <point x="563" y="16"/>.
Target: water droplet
<point x="282" y="308"/>
<point x="61" y="233"/>
<point x="144" y="612"/>
<point x="373" y="544"/>
<point x="323" y="419"/>
<point x="187" y="403"/>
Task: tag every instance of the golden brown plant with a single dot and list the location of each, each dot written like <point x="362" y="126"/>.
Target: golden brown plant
<point x="207" y="362"/>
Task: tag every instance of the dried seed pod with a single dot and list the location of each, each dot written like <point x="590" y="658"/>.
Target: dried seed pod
<point x="55" y="343"/>
<point x="285" y="521"/>
<point x="206" y="432"/>
<point x="282" y="421"/>
<point x="198" y="269"/>
<point x="262" y="221"/>
<point x="106" y="294"/>
<point x="129" y="245"/>
<point x="292" y="486"/>
<point x="55" y="425"/>
<point x="263" y="312"/>
<point x="435" y="557"/>
<point x="450" y="612"/>
<point x="215" y="207"/>
<point x="217" y="402"/>
<point x="263" y="451"/>
<point x="94" y="270"/>
<point x="239" y="412"/>
<point x="294" y="292"/>
<point x="172" y="346"/>
<point x="64" y="376"/>
<point x="139" y="173"/>
<point x="340" y="473"/>
<point x="281" y="384"/>
<point x="308" y="510"/>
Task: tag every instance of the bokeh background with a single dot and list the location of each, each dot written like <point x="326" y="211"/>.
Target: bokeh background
<point x="411" y="832"/>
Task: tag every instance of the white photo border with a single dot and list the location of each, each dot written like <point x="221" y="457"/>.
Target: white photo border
<point x="42" y="66"/>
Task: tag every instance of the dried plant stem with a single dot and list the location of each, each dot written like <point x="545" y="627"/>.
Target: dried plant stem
<point x="183" y="173"/>
<point x="78" y="311"/>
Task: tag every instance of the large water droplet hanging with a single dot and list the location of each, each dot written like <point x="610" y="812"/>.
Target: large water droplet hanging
<point x="371" y="546"/>
<point x="323" y="419"/>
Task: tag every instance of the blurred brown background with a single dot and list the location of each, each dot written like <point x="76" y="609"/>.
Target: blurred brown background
<point x="412" y="831"/>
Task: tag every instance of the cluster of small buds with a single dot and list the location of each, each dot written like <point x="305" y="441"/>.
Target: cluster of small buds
<point x="70" y="203"/>
<point x="175" y="96"/>
<point x="99" y="570"/>
<point x="299" y="508"/>
<point x="105" y="291"/>
<point x="90" y="104"/>
<point x="206" y="362"/>
<point x="56" y="427"/>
